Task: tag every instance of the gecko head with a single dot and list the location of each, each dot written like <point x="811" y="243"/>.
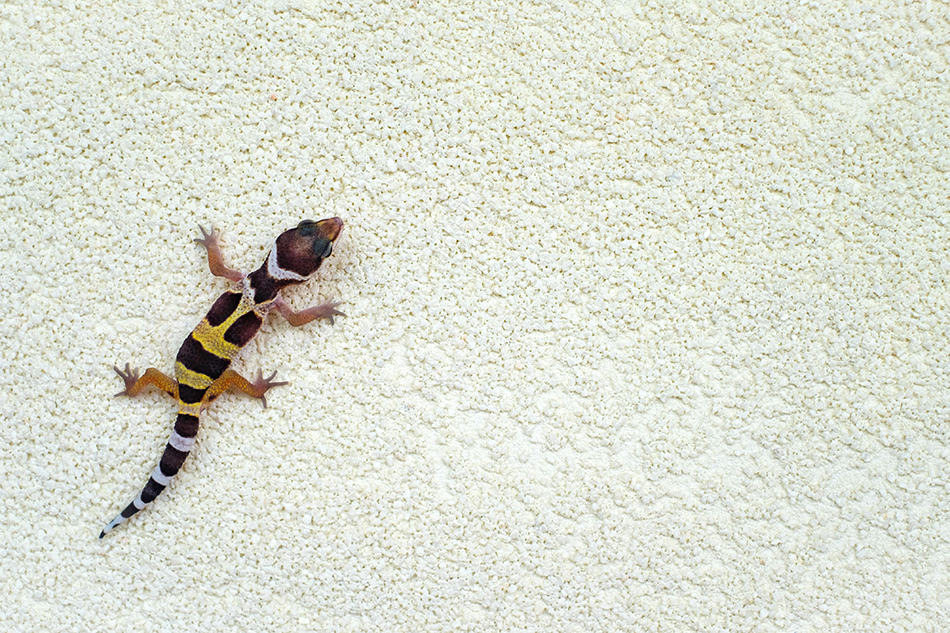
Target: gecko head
<point x="298" y="252"/>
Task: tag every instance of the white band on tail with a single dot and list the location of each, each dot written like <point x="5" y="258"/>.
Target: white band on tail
<point x="160" y="478"/>
<point x="183" y="444"/>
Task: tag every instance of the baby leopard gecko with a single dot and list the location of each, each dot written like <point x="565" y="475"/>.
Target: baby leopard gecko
<point x="201" y="367"/>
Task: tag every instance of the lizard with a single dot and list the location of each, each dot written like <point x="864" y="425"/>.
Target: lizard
<point x="202" y="366"/>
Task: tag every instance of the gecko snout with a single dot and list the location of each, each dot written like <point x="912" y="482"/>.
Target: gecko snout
<point x="331" y="228"/>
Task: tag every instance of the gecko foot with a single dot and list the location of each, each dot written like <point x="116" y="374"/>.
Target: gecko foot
<point x="261" y="385"/>
<point x="208" y="239"/>
<point x="325" y="311"/>
<point x="129" y="376"/>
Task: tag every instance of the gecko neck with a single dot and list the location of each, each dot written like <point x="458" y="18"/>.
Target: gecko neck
<point x="265" y="286"/>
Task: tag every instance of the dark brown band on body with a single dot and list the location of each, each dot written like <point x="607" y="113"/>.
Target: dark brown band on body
<point x="223" y="308"/>
<point x="190" y="395"/>
<point x="265" y="287"/>
<point x="129" y="511"/>
<point x="196" y="358"/>
<point x="243" y="329"/>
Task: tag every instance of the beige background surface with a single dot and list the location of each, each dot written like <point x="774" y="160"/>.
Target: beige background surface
<point x="648" y="316"/>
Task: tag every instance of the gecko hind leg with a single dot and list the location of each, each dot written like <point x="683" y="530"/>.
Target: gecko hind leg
<point x="134" y="385"/>
<point x="230" y="380"/>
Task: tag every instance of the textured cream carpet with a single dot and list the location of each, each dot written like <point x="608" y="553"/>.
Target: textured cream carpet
<point x="648" y="316"/>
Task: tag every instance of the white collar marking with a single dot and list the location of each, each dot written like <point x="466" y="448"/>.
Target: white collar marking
<point x="274" y="269"/>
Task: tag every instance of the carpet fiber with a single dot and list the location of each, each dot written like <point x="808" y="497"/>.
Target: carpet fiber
<point x="647" y="316"/>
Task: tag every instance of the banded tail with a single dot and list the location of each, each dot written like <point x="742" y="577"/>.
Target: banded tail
<point x="179" y="445"/>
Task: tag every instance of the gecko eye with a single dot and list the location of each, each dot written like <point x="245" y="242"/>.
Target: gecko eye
<point x="307" y="227"/>
<point x="323" y="248"/>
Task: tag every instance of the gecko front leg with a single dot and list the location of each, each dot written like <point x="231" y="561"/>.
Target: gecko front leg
<point x="300" y="317"/>
<point x="215" y="258"/>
